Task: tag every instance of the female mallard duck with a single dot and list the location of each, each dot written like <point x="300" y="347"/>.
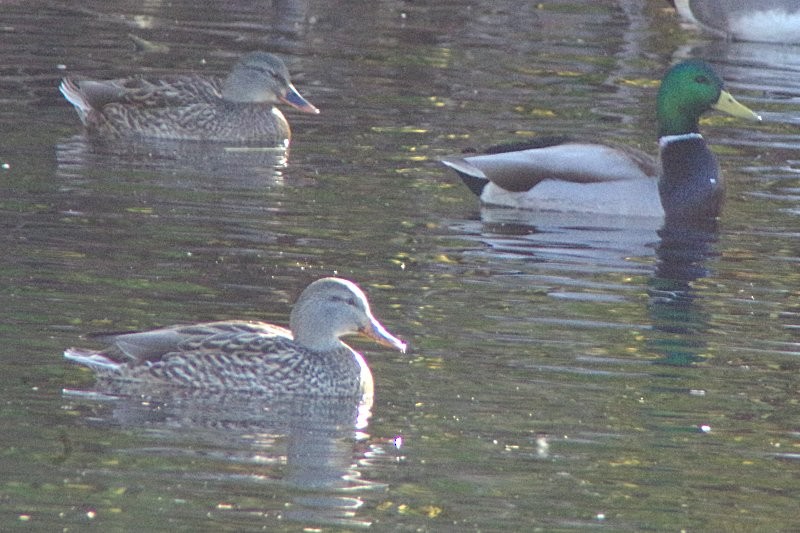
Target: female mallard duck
<point x="568" y="175"/>
<point x="239" y="108"/>
<point x="253" y="357"/>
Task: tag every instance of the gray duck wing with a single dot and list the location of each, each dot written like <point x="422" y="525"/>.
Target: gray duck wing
<point x="520" y="170"/>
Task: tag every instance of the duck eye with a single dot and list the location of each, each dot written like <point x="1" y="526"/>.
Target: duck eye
<point x="349" y="300"/>
<point x="701" y="79"/>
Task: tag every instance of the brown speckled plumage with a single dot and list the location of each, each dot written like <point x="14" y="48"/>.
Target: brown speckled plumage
<point x="239" y="108"/>
<point x="253" y="357"/>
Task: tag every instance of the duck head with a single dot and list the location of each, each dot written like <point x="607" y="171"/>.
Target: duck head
<point x="331" y="308"/>
<point x="688" y="90"/>
<point x="260" y="77"/>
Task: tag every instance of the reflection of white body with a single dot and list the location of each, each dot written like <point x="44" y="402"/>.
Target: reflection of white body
<point x="747" y="20"/>
<point x="593" y="241"/>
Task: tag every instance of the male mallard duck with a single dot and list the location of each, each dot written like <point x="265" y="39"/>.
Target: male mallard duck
<point x="774" y="21"/>
<point x="253" y="357"/>
<point x="569" y="175"/>
<point x="239" y="108"/>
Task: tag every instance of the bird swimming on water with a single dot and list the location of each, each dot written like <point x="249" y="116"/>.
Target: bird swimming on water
<point x="239" y="108"/>
<point x="252" y="357"/>
<point x="573" y="175"/>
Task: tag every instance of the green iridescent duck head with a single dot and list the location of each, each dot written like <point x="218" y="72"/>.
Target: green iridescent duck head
<point x="688" y="90"/>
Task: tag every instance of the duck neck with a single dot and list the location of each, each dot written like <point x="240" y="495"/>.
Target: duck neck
<point x="666" y="140"/>
<point x="312" y="329"/>
<point x="243" y="86"/>
<point x="317" y="342"/>
<point x="685" y="161"/>
<point x="691" y="185"/>
<point x="675" y="122"/>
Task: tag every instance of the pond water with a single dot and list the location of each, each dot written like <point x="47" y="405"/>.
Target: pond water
<point x="564" y="374"/>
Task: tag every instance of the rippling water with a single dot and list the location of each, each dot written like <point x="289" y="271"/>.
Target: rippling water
<point x="564" y="373"/>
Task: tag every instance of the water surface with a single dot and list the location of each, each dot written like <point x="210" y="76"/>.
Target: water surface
<point x="565" y="373"/>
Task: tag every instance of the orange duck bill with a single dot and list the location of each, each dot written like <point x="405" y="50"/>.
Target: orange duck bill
<point x="375" y="331"/>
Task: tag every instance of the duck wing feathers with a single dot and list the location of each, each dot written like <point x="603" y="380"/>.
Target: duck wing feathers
<point x="521" y="167"/>
<point x="176" y="91"/>
<point x="208" y="337"/>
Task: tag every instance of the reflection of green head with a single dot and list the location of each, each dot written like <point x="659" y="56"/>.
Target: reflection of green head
<point x="688" y="90"/>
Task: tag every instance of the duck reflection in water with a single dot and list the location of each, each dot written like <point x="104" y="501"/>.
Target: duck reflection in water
<point x="86" y="163"/>
<point x="679" y="320"/>
<point x="302" y="457"/>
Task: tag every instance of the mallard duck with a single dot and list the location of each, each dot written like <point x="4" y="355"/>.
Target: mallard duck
<point x="239" y="108"/>
<point x="774" y="21"/>
<point x="563" y="174"/>
<point x="253" y="357"/>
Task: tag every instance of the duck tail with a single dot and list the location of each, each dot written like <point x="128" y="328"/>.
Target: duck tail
<point x="94" y="360"/>
<point x="472" y="176"/>
<point x="72" y="92"/>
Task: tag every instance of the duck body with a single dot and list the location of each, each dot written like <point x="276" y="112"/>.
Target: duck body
<point x="252" y="357"/>
<point x="233" y="356"/>
<point x="564" y="174"/>
<point x="187" y="108"/>
<point x="776" y="21"/>
<point x="239" y="108"/>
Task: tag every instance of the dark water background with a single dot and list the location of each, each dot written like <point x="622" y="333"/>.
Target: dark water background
<point x="565" y="373"/>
